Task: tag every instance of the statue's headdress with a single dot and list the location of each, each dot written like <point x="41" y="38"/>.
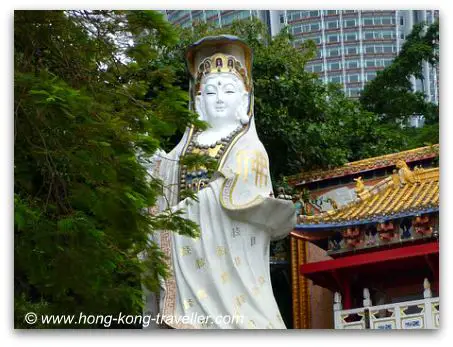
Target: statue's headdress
<point x="217" y="54"/>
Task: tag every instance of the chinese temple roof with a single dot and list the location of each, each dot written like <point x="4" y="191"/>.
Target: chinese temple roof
<point x="405" y="193"/>
<point x="365" y="165"/>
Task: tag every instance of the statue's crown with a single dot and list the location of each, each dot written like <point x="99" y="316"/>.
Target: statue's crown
<point x="217" y="54"/>
<point x="220" y="63"/>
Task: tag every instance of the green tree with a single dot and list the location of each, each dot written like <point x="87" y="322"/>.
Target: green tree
<point x="92" y="102"/>
<point x="303" y="123"/>
<point x="391" y="96"/>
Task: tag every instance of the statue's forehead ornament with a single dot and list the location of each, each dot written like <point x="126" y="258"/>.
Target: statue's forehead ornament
<point x="219" y="63"/>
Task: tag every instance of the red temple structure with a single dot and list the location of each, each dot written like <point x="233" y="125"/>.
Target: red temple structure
<point x="365" y="251"/>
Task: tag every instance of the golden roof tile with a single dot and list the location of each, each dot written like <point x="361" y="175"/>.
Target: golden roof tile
<point x="386" y="198"/>
<point x="365" y="165"/>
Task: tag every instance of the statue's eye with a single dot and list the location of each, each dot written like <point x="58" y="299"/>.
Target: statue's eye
<point x="210" y="93"/>
<point x="229" y="92"/>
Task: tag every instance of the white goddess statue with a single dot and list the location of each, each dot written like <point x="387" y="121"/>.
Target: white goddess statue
<point x="221" y="280"/>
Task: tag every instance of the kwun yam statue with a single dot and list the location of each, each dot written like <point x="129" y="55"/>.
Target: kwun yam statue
<point x="224" y="274"/>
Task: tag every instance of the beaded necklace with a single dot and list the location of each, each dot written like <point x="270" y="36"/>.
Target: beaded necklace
<point x="199" y="179"/>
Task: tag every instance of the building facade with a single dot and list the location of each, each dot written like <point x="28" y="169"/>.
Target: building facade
<point x="218" y="18"/>
<point x="353" y="45"/>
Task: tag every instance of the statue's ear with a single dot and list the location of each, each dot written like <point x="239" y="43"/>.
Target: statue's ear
<point x="245" y="101"/>
<point x="199" y="107"/>
<point x="242" y="111"/>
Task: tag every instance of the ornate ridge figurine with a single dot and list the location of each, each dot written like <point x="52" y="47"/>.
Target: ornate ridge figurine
<point x="224" y="274"/>
<point x="406" y="175"/>
<point x="360" y="187"/>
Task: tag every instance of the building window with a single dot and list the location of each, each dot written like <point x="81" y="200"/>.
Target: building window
<point x="314" y="13"/>
<point x="367" y="21"/>
<point x="294" y="16"/>
<point x="316" y="68"/>
<point x="388" y="49"/>
<point x="332" y="38"/>
<point x="351" y="50"/>
<point x="332" y="24"/>
<point x="336" y="79"/>
<point x="282" y="19"/>
<point x="369" y="35"/>
<point x="369" y="49"/>
<point x="370" y="63"/>
<point x="334" y="66"/>
<point x="353" y="64"/>
<point x="401" y="20"/>
<point x="402" y="36"/>
<point x="297" y="30"/>
<point x="353" y="78"/>
<point x="351" y="37"/>
<point x="315" y="27"/>
<point x="349" y="23"/>
<point x="331" y="12"/>
<point x="387" y="34"/>
<point x="335" y="52"/>
<point x="370" y="76"/>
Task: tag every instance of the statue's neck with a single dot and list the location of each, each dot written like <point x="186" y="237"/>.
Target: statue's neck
<point x="216" y="134"/>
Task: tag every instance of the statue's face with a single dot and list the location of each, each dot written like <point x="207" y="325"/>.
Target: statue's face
<point x="222" y="97"/>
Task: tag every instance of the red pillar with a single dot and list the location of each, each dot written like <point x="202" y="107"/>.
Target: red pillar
<point x="347" y="300"/>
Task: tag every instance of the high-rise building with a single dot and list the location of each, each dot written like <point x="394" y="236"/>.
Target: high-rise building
<point x="353" y="45"/>
<point x="219" y="18"/>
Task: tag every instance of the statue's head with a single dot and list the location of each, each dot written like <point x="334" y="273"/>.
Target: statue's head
<point x="222" y="100"/>
<point x="221" y="85"/>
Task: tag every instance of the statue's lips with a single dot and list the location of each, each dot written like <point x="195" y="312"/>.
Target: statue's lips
<point x="220" y="109"/>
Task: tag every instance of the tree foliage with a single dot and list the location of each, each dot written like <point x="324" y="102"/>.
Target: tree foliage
<point x="391" y="94"/>
<point x="92" y="102"/>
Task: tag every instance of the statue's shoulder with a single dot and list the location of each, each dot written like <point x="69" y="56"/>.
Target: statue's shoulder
<point x="251" y="142"/>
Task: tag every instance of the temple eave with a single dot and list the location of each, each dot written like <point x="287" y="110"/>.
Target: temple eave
<point x="369" y="220"/>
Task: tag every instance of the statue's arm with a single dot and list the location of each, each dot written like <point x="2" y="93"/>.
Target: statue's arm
<point x="245" y="202"/>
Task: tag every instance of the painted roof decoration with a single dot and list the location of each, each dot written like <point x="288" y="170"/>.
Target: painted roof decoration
<point x="365" y="165"/>
<point x="405" y="193"/>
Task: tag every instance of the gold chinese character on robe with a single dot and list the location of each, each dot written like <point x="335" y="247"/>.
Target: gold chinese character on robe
<point x="225" y="277"/>
<point x="200" y="263"/>
<point x="186" y="250"/>
<point x="220" y="251"/>
<point x="201" y="294"/>
<point x="239" y="300"/>
<point x="254" y="162"/>
<point x="188" y="303"/>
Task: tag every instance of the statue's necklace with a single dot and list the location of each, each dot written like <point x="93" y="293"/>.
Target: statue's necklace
<point x="223" y="143"/>
<point x="197" y="180"/>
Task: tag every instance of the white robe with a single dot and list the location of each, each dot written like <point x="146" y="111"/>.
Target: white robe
<point x="224" y="274"/>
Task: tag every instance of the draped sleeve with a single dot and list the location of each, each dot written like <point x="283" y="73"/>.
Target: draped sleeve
<point x="246" y="192"/>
